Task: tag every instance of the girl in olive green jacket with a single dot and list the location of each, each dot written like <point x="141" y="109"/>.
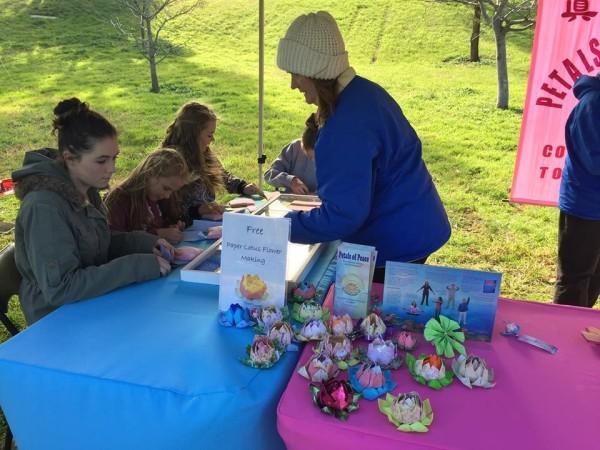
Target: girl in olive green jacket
<point x="65" y="250"/>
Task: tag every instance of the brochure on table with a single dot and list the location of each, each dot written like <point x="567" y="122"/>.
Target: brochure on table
<point x="418" y="292"/>
<point x="253" y="261"/>
<point x="354" y="273"/>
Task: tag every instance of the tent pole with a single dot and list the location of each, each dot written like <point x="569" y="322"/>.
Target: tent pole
<point x="261" y="88"/>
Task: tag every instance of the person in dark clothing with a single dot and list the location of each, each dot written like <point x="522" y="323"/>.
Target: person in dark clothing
<point x="578" y="270"/>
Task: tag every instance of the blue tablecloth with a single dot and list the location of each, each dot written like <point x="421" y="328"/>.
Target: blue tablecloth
<point x="145" y="367"/>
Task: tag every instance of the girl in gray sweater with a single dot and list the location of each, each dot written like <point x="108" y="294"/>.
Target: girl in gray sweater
<point x="294" y="168"/>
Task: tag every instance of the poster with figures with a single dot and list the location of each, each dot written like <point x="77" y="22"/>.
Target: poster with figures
<point x="418" y="292"/>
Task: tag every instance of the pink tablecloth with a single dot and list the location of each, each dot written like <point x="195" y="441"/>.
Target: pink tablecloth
<point x="541" y="401"/>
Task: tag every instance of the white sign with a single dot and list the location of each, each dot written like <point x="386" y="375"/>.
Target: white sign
<point x="253" y="261"/>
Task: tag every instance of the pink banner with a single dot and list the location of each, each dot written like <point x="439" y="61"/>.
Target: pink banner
<point x="566" y="45"/>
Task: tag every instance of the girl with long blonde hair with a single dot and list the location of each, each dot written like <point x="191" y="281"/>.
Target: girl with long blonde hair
<point x="146" y="200"/>
<point x="191" y="134"/>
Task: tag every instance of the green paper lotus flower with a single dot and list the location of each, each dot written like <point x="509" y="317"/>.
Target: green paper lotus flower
<point x="445" y="334"/>
<point x="407" y="412"/>
<point x="429" y="370"/>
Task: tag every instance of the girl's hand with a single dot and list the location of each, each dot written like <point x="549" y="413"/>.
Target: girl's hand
<point x="164" y="265"/>
<point x="172" y="234"/>
<point x="298" y="187"/>
<point x="211" y="211"/>
<point x="164" y="250"/>
<point x="252" y="189"/>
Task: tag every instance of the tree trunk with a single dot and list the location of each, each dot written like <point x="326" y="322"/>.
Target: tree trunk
<point x="152" y="57"/>
<point x="475" y="33"/>
<point x="501" y="65"/>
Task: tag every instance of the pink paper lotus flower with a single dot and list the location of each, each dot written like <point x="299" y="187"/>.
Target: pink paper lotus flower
<point x="431" y="368"/>
<point x="406" y="341"/>
<point x="372" y="326"/>
<point x="319" y="368"/>
<point x="341" y="325"/>
<point x="262" y="350"/>
<point x="281" y="332"/>
<point x="370" y="376"/>
<point x="336" y="347"/>
<point x="186" y="254"/>
<point x="381" y="352"/>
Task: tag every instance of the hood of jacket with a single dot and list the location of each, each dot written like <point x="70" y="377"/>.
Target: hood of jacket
<point x="585" y="85"/>
<point x="42" y="171"/>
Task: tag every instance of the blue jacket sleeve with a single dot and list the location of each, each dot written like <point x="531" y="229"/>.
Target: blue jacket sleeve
<point x="585" y="134"/>
<point x="344" y="160"/>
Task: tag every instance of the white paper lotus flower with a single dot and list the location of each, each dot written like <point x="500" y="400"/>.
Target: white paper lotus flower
<point x="381" y="352"/>
<point x="473" y="371"/>
<point x="313" y="330"/>
<point x="428" y="370"/>
<point x="269" y="315"/>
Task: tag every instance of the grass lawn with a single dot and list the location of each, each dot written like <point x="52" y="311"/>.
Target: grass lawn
<point x="415" y="49"/>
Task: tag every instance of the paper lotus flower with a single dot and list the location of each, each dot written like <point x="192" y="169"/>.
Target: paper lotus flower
<point x="407" y="412"/>
<point x="252" y="287"/>
<point x="313" y="330"/>
<point x="445" y="334"/>
<point x="337" y="347"/>
<point x="406" y="341"/>
<point x="429" y="370"/>
<point x="370" y="380"/>
<point x="214" y="232"/>
<point x="186" y="254"/>
<point x="319" y="368"/>
<point x="282" y="333"/>
<point x="305" y="291"/>
<point x="262" y="353"/>
<point x="381" y="352"/>
<point x="303" y="312"/>
<point x="372" y="326"/>
<point x="335" y="397"/>
<point x="236" y="316"/>
<point x="267" y="316"/>
<point x="341" y="325"/>
<point x="473" y="371"/>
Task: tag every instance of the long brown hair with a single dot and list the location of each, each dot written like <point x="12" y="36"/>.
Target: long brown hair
<point x="182" y="135"/>
<point x="326" y="99"/>
<point x="162" y="163"/>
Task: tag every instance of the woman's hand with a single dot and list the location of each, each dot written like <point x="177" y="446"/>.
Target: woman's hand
<point x="211" y="211"/>
<point x="172" y="234"/>
<point x="252" y="189"/>
<point x="164" y="266"/>
<point x="298" y="187"/>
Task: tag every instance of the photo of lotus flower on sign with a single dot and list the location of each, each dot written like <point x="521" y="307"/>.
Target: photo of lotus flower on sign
<point x="407" y="412"/>
<point x="446" y="335"/>
<point x="473" y="371"/>
<point x="429" y="370"/>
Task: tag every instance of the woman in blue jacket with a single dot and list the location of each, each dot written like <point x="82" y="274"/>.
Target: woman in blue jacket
<point x="578" y="280"/>
<point x="374" y="186"/>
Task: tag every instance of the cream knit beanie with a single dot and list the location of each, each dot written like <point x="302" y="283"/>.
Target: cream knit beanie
<point x="313" y="46"/>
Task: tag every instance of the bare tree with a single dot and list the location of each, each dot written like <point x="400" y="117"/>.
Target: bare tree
<point x="476" y="31"/>
<point x="504" y="16"/>
<point x="151" y="17"/>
